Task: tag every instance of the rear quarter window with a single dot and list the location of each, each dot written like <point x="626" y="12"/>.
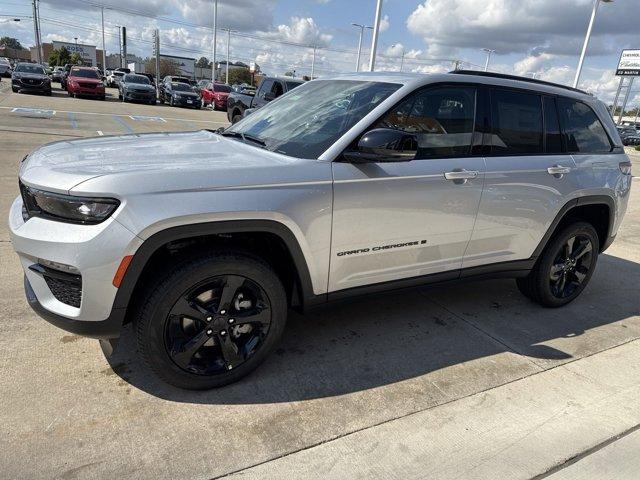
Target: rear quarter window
<point x="583" y="130"/>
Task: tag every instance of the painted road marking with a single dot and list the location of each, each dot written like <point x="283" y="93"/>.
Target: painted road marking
<point x="144" y="118"/>
<point x="120" y="115"/>
<point x="99" y="132"/>
<point x="122" y="123"/>
<point x="72" y="119"/>
<point x="32" y="112"/>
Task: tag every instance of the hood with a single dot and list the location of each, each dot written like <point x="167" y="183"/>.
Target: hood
<point x="26" y="75"/>
<point x="154" y="162"/>
<point x="95" y="81"/>
<point x="184" y="94"/>
<point x="139" y="86"/>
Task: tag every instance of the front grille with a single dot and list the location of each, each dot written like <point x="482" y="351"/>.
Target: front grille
<point x="31" y="81"/>
<point x="87" y="85"/>
<point x="65" y="287"/>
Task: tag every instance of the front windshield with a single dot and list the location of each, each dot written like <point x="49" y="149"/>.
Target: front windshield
<point x="85" y="73"/>
<point x="309" y="119"/>
<point x="30" y="69"/>
<point x="181" y="87"/>
<point x="221" y="88"/>
<point x="141" y="79"/>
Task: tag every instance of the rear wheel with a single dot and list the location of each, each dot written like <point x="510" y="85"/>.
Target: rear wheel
<point x="236" y="118"/>
<point x="211" y="320"/>
<point x="565" y="267"/>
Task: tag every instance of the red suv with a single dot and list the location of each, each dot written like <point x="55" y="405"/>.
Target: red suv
<point x="85" y="81"/>
<point x="215" y="94"/>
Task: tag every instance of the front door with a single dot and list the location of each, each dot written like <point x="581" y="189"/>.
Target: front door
<point x="396" y="220"/>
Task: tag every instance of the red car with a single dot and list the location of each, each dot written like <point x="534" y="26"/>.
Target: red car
<point x="85" y="81"/>
<point x="215" y="94"/>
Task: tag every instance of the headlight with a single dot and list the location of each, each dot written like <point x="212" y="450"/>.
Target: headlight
<point x="66" y="208"/>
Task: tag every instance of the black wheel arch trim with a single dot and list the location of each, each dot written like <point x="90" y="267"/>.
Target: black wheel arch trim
<point x="184" y="232"/>
<point x="579" y="202"/>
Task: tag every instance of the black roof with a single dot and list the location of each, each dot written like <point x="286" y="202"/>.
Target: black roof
<point x="516" y="77"/>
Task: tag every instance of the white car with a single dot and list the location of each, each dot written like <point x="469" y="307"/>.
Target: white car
<point x="5" y="67"/>
<point x="114" y="78"/>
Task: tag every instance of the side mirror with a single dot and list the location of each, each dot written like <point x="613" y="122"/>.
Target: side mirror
<point x="384" y="145"/>
<point x="269" y="96"/>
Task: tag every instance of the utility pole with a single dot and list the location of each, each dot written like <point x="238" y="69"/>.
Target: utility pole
<point x="313" y="62"/>
<point x="40" y="31"/>
<point x="361" y="27"/>
<point x="215" y="40"/>
<point x="119" y="45"/>
<point x="228" y="53"/>
<point x="104" y="54"/>
<point x="156" y="51"/>
<point x="402" y="57"/>
<point x="374" y="40"/>
<point x="36" y="31"/>
<point x="124" y="47"/>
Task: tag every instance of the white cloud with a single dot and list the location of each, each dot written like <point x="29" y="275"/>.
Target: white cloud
<point x="384" y="23"/>
<point x="301" y="30"/>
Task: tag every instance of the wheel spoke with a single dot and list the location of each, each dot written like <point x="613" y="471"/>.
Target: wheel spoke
<point x="189" y="349"/>
<point x="581" y="273"/>
<point x="188" y="308"/>
<point x="556" y="271"/>
<point x="232" y="284"/>
<point x="229" y="351"/>
<point x="569" y="247"/>
<point x="562" y="283"/>
<point x="260" y="315"/>
<point x="583" y="248"/>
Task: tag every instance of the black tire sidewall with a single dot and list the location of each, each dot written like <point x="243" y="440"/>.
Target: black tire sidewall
<point x="151" y="329"/>
<point x="546" y="261"/>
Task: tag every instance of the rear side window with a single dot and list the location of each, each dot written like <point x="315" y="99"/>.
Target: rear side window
<point x="517" y="123"/>
<point x="441" y="118"/>
<point x="552" y="135"/>
<point x="583" y="130"/>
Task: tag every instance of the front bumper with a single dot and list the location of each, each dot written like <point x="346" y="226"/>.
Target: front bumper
<point x="141" y="96"/>
<point x="29" y="87"/>
<point x="93" y="251"/>
<point x="90" y="92"/>
<point x="184" y="102"/>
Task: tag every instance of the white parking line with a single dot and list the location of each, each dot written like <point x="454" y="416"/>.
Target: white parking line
<point x="121" y="115"/>
<point x="99" y="132"/>
<point x="33" y="112"/>
<point x="145" y="118"/>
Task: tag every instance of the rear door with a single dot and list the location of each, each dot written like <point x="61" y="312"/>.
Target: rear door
<point x="259" y="99"/>
<point x="398" y="220"/>
<point x="529" y="176"/>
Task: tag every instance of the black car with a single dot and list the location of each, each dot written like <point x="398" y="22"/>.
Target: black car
<point x="65" y="74"/>
<point x="30" y="77"/>
<point x="179" y="94"/>
<point x="134" y="87"/>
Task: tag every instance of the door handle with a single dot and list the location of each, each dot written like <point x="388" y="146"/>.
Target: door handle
<point x="558" y="170"/>
<point x="460" y="175"/>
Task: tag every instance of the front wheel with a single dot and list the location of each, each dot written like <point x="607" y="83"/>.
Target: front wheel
<point x="236" y="118"/>
<point x="565" y="267"/>
<point x="212" y="320"/>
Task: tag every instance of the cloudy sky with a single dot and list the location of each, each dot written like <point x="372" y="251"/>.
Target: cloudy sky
<point x="541" y="37"/>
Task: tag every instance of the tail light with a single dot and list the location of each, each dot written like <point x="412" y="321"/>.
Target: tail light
<point x="625" y="168"/>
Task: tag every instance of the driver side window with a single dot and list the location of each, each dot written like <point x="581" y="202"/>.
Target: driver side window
<point x="442" y="120"/>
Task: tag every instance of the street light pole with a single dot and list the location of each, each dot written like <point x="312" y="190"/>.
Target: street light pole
<point x="36" y="32"/>
<point x="361" y="27"/>
<point x="215" y="40"/>
<point x="313" y="62"/>
<point x="104" y="54"/>
<point x="228" y="53"/>
<point x="374" y="40"/>
<point x="489" y="52"/>
<point x="596" y="4"/>
<point x="402" y="57"/>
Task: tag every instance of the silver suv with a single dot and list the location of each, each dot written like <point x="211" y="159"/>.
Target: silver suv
<point x="345" y="186"/>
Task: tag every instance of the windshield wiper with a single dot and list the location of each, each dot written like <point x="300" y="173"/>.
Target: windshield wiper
<point x="245" y="137"/>
<point x="253" y="139"/>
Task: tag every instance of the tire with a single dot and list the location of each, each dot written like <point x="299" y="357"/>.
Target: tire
<point x="563" y="258"/>
<point x="171" y="102"/>
<point x="70" y="94"/>
<point x="48" y="93"/>
<point x="236" y="118"/>
<point x="152" y="102"/>
<point x="161" y="100"/>
<point x="14" y="90"/>
<point x="103" y="97"/>
<point x="163" y="336"/>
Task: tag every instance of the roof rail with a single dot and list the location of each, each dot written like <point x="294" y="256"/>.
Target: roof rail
<point x="516" y="77"/>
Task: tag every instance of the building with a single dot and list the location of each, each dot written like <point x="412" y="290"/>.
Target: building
<point x="221" y="68"/>
<point x="14" y="54"/>
<point x="91" y="56"/>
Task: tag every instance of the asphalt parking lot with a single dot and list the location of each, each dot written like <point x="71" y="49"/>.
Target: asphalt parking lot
<point x="471" y="381"/>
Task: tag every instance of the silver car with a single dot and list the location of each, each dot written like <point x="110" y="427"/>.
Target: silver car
<point x="344" y="186"/>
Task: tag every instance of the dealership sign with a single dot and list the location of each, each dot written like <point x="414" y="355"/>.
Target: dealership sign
<point x="86" y="52"/>
<point x="629" y="63"/>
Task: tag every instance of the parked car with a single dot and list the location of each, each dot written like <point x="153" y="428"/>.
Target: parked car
<point x="85" y="81"/>
<point x="5" y="67"/>
<point x="176" y="79"/>
<point x="270" y="89"/>
<point x="134" y="87"/>
<point x="56" y="76"/>
<point x="631" y="140"/>
<point x="30" y="77"/>
<point x="114" y="79"/>
<point x="150" y="76"/>
<point x="215" y="94"/>
<point x="346" y="186"/>
<point x="202" y="84"/>
<point x="179" y="94"/>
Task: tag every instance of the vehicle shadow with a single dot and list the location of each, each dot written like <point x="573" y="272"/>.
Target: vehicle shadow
<point x="383" y="339"/>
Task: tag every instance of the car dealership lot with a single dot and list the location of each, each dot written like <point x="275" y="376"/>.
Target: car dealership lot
<point x="471" y="381"/>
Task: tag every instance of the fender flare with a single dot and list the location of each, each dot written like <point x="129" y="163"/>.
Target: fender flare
<point x="183" y="232"/>
<point x="566" y="209"/>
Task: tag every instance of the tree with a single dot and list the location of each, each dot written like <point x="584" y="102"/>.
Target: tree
<point x="60" y="57"/>
<point x="167" y="67"/>
<point x="238" y="75"/>
<point x="76" y="59"/>
<point x="11" y="42"/>
<point x="203" y="62"/>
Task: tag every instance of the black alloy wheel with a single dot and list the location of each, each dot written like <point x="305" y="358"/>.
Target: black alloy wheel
<point x="217" y="325"/>
<point x="211" y="319"/>
<point x="571" y="266"/>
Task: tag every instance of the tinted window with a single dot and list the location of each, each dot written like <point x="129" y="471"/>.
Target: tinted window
<point x="582" y="128"/>
<point x="553" y="138"/>
<point x="292" y="85"/>
<point x="222" y="88"/>
<point x="82" y="73"/>
<point x="277" y="89"/>
<point x="181" y="87"/>
<point x="265" y="87"/>
<point x="136" y="79"/>
<point x="441" y="118"/>
<point x="26" y="68"/>
<point x="517" y="123"/>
